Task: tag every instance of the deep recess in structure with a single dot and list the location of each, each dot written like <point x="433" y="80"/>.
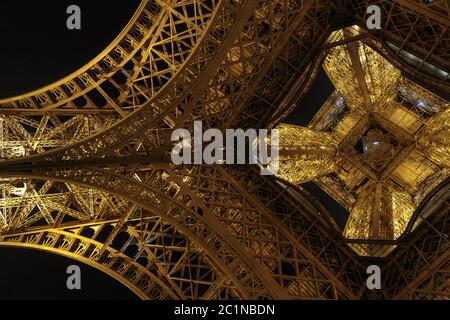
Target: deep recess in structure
<point x="38" y="49"/>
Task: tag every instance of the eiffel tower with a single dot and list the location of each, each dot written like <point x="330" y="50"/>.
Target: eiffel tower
<point x="84" y="171"/>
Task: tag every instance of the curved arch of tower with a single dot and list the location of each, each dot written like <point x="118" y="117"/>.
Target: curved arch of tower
<point x="85" y="170"/>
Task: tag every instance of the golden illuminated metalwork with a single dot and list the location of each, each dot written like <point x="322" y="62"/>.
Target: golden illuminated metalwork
<point x="83" y="172"/>
<point x="391" y="138"/>
<point x="305" y="154"/>
<point x="125" y="76"/>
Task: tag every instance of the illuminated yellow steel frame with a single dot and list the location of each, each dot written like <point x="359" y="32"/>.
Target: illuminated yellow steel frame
<point x="82" y="170"/>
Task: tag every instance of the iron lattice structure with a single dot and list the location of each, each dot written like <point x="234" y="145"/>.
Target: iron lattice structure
<point x="83" y="170"/>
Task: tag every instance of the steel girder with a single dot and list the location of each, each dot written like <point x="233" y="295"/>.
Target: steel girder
<point x="243" y="235"/>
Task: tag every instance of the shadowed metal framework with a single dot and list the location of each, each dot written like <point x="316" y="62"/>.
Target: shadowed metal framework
<point x="83" y="170"/>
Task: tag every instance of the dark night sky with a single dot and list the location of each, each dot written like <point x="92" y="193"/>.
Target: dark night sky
<point x="28" y="274"/>
<point x="36" y="49"/>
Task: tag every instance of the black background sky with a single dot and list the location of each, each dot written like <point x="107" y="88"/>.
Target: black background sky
<point x="36" y="49"/>
<point x="28" y="274"/>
